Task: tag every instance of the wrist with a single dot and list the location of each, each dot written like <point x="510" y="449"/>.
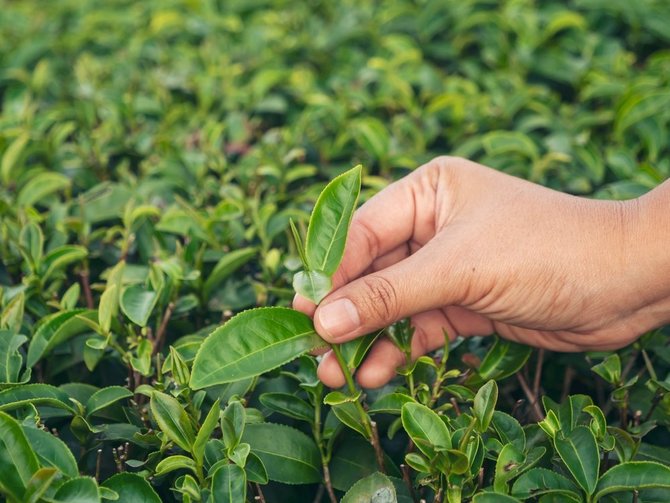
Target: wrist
<point x="648" y="256"/>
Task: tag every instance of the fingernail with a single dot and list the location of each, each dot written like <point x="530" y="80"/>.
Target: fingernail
<point x="339" y="318"/>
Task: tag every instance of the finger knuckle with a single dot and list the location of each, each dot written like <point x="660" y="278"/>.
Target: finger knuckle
<point x="380" y="301"/>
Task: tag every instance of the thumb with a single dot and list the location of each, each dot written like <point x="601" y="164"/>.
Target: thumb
<point x="413" y="285"/>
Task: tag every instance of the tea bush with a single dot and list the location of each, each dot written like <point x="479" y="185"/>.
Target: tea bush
<point x="152" y="157"/>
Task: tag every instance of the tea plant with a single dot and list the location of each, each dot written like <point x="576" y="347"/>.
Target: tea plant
<point x="158" y="165"/>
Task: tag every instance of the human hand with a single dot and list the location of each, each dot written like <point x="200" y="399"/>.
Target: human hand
<point x="470" y="250"/>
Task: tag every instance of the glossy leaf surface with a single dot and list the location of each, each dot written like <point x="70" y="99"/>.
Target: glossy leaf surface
<point x="251" y="343"/>
<point x="132" y="488"/>
<point x="329" y="223"/>
<point x="172" y="419"/>
<point x="579" y="452"/>
<point x="289" y="455"/>
<point x="17" y="460"/>
<point x="425" y="428"/>
<point x="229" y="484"/>
<point x="633" y="475"/>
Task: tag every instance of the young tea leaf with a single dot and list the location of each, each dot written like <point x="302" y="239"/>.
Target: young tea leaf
<point x="229" y="484"/>
<point x="137" y="303"/>
<point x="484" y="405"/>
<point x="329" y="223"/>
<point x="251" y="343"/>
<point x="425" y="428"/>
<point x="172" y="419"/>
<point x="313" y="285"/>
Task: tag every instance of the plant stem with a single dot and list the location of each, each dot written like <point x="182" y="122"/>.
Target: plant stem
<point x="85" y="283"/>
<point x="325" y="458"/>
<point x="648" y="364"/>
<point x="532" y="398"/>
<point x="538" y="372"/>
<point x="351" y="386"/>
<point x="370" y="426"/>
<point x="160" y="333"/>
<point x="466" y="436"/>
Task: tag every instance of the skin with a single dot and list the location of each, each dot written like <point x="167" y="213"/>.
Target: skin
<point x="460" y="247"/>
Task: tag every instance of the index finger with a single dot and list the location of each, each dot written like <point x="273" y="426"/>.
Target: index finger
<point x="403" y="211"/>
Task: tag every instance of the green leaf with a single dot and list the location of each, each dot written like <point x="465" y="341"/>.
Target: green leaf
<point x="289" y="456"/>
<point x="329" y="223"/>
<point x="142" y="362"/>
<point x="509" y="430"/>
<point x="494" y="498"/>
<point x="355" y="350"/>
<point x="503" y="359"/>
<point x="56" y="329"/>
<point x="638" y="107"/>
<point x="11" y="157"/>
<point x="61" y="257"/>
<point x="313" y="285"/>
<point x="484" y="405"/>
<point x="348" y="414"/>
<point x="131" y="488"/>
<point x="508" y="459"/>
<point x="425" y="428"/>
<point x="12" y="314"/>
<point x="609" y="369"/>
<point x="137" y="303"/>
<point x="226" y="266"/>
<point x="499" y="143"/>
<point x="70" y="297"/>
<point x="208" y="426"/>
<point x="78" y="490"/>
<point x="418" y="462"/>
<point x="18" y="462"/>
<point x="51" y="451"/>
<point x="255" y="469"/>
<point x="176" y="462"/>
<point x="38" y="484"/>
<point x="375" y="488"/>
<point x="539" y="481"/>
<point x="40" y="186"/>
<point x="288" y="405"/>
<point x="36" y="394"/>
<point x="10" y="356"/>
<point x="251" y="343"/>
<point x="239" y="454"/>
<point x="229" y="484"/>
<point x="233" y="422"/>
<point x="31" y="240"/>
<point x="633" y="475"/>
<point x="390" y="403"/>
<point x="338" y="397"/>
<point x="353" y="459"/>
<point x="579" y="452"/>
<point x="106" y="397"/>
<point x="599" y="423"/>
<point x="172" y="420"/>
<point x="109" y="303"/>
<point x="371" y="134"/>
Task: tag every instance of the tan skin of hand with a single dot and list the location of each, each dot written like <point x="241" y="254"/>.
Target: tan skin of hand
<point x="460" y="247"/>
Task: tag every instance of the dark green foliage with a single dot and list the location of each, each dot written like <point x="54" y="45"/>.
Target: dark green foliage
<point x="152" y="155"/>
